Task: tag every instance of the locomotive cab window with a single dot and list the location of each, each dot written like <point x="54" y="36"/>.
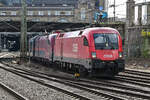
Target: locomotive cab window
<point x="85" y="41"/>
<point x="106" y="41"/>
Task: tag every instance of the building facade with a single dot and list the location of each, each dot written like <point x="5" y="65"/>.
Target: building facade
<point x="77" y="11"/>
<point x="138" y="13"/>
<point x="142" y="13"/>
<point x="137" y="29"/>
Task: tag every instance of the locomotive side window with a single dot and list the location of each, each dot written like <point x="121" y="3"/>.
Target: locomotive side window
<point x="61" y="35"/>
<point x="85" y="41"/>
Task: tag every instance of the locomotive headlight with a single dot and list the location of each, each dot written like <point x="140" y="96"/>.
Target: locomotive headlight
<point x="93" y="54"/>
<point x="120" y="54"/>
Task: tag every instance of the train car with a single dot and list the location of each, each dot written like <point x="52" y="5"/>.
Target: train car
<point x="42" y="47"/>
<point x="32" y="46"/>
<point x="13" y="44"/>
<point x="94" y="51"/>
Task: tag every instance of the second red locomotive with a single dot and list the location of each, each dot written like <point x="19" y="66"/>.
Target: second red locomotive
<point x="94" y="51"/>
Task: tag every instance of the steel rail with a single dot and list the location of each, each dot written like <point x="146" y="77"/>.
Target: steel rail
<point x="48" y="85"/>
<point x="129" y="93"/>
<point x="97" y="83"/>
<point x="134" y="78"/>
<point x="132" y="81"/>
<point x="108" y="95"/>
<point x="138" y="73"/>
<point x="14" y="93"/>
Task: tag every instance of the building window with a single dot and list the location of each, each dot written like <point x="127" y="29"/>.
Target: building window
<point x="49" y="13"/>
<point x="57" y="12"/>
<point x="13" y="13"/>
<point x="33" y="4"/>
<point x="68" y="12"/>
<point x="136" y="15"/>
<point x="83" y="14"/>
<point x="35" y="19"/>
<point x="62" y="20"/>
<point x="43" y="4"/>
<point x="65" y="5"/>
<point x="30" y="12"/>
<point x="144" y="14"/>
<point x="62" y="13"/>
<point x="41" y="13"/>
<point x="3" y="13"/>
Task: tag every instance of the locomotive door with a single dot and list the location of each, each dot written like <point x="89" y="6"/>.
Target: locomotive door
<point x="61" y="46"/>
<point x="34" y="41"/>
<point x="61" y="49"/>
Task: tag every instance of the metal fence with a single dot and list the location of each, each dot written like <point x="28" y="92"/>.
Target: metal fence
<point x="137" y="41"/>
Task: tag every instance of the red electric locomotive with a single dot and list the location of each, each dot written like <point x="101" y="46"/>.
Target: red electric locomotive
<point x="96" y="51"/>
<point x="42" y="47"/>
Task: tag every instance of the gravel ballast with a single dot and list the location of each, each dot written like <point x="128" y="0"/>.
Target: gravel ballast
<point x="4" y="95"/>
<point x="29" y="89"/>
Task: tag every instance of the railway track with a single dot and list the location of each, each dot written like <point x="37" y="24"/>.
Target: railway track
<point x="104" y="88"/>
<point x="14" y="93"/>
<point x="132" y="81"/>
<point x="76" y="95"/>
<point x="145" y="74"/>
<point x="8" y="55"/>
<point x="134" y="78"/>
<point x="141" y="77"/>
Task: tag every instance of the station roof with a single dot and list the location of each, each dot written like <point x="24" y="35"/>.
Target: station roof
<point x="39" y="2"/>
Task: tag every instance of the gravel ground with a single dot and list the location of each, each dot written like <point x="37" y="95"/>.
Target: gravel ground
<point x="48" y="70"/>
<point x="65" y="87"/>
<point x="9" y="54"/>
<point x="34" y="91"/>
<point x="4" y="95"/>
<point x="30" y="89"/>
<point x="138" y="64"/>
<point x="41" y="68"/>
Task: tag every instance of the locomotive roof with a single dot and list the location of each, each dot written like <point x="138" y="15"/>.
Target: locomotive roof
<point x="102" y="28"/>
<point x="42" y="37"/>
<point x="85" y="31"/>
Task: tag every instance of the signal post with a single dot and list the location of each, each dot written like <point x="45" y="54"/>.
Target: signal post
<point x="23" y="41"/>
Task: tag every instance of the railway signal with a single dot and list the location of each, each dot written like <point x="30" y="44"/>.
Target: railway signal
<point x="100" y="16"/>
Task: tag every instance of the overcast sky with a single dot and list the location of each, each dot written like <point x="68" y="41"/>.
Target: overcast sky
<point x="120" y="7"/>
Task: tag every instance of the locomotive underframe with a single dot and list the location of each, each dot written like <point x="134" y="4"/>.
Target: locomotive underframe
<point x="106" y="68"/>
<point x="95" y="67"/>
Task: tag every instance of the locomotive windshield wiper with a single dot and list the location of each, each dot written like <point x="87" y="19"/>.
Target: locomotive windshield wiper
<point x="111" y="45"/>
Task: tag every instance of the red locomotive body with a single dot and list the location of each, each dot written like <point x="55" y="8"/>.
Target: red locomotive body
<point x="97" y="51"/>
<point x="94" y="51"/>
